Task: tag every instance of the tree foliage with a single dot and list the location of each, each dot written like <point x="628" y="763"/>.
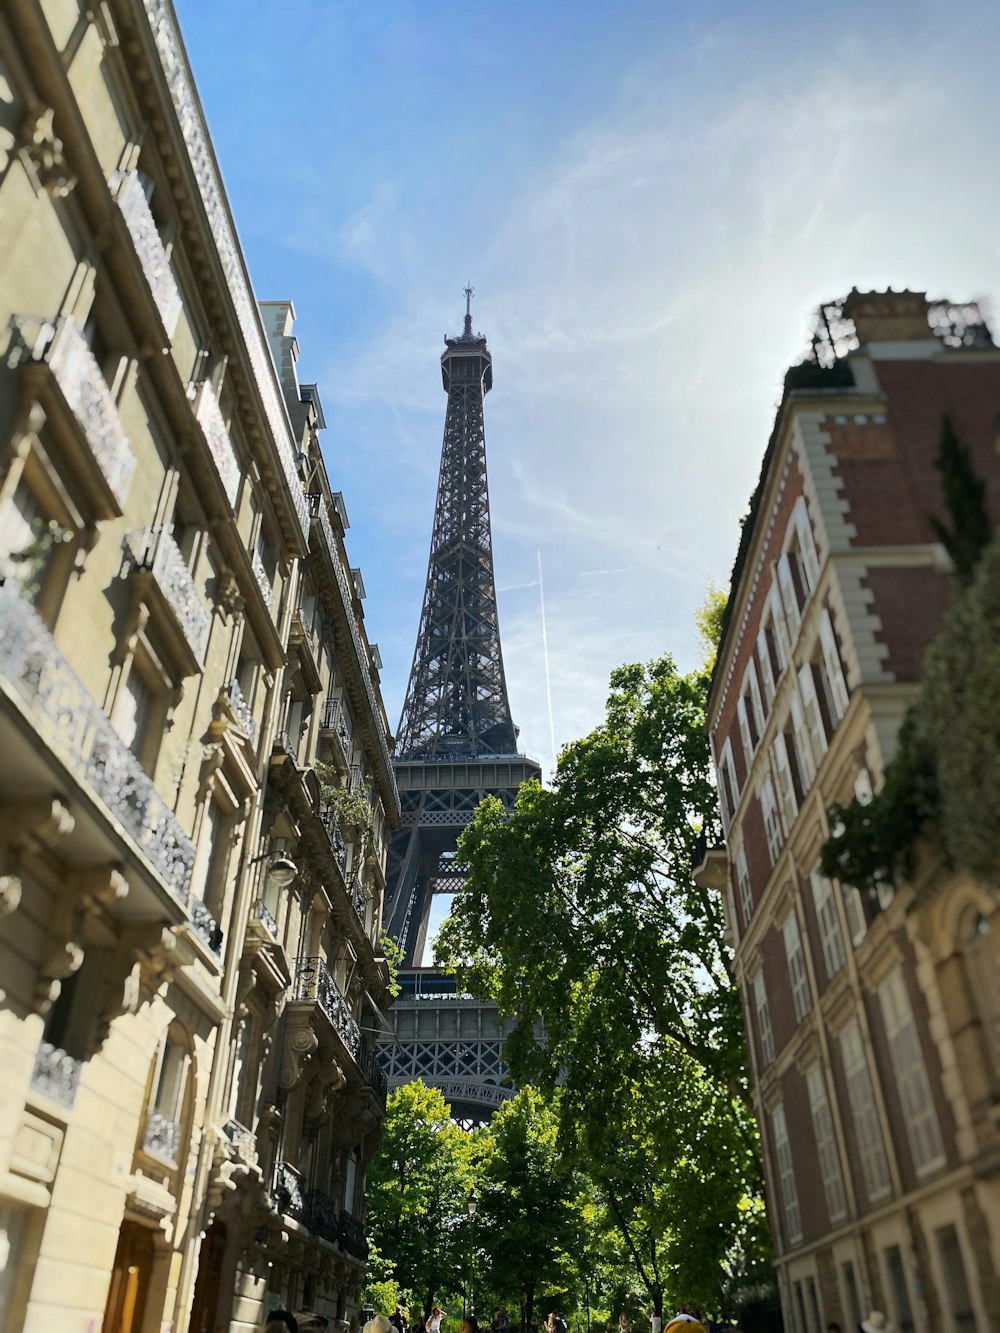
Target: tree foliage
<point x="709" y="621"/>
<point x="418" y="1188"/>
<point x="581" y="920"/>
<point x="969" y="531"/>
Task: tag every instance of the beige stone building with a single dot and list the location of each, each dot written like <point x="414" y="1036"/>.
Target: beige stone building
<point x="873" y="1026"/>
<point x="195" y="793"/>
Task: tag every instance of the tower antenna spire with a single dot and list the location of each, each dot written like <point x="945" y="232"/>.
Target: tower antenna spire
<point x="470" y="292"/>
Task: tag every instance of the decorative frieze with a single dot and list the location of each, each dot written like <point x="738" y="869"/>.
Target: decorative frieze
<point x="131" y="199"/>
<point x="209" y="418"/>
<point x="68" y="721"/>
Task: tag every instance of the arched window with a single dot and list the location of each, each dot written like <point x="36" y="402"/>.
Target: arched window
<point x="984" y="978"/>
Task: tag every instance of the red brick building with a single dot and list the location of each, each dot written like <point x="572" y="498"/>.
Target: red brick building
<point x="874" y="1028"/>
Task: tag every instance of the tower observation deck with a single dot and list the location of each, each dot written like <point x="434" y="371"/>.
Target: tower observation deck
<point x="456" y="744"/>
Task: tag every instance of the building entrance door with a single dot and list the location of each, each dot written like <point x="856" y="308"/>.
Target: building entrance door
<point x="206" y="1287"/>
<point x="129" y="1280"/>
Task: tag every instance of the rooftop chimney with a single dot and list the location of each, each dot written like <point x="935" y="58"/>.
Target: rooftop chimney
<point x="888" y="316"/>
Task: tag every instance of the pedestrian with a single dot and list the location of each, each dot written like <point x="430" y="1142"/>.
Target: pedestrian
<point x="623" y="1323"/>
<point x="310" y="1322"/>
<point x="436" y="1320"/>
<point x="503" y="1320"/>
<point x="398" y="1321"/>
<point x="876" y="1323"/>
<point x="280" y="1321"/>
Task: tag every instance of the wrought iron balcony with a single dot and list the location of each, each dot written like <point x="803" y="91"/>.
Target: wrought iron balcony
<point x="131" y="199"/>
<point x="372" y="1070"/>
<point x="209" y="418"/>
<point x="60" y="346"/>
<point x="359" y="899"/>
<point x="56" y="1074"/>
<point x="287" y="1193"/>
<point x="262" y="914"/>
<point x="352" y="1236"/>
<point x="67" y="720"/>
<point x="263" y="582"/>
<point x="205" y="926"/>
<point x="153" y="551"/>
<point x="321" y="1215"/>
<point x="330" y="820"/>
<point x="314" y="981"/>
<point x="241" y="711"/>
<point x="335" y="719"/>
<point x="162" y="1137"/>
<point x="355" y="781"/>
<point x="242" y="1140"/>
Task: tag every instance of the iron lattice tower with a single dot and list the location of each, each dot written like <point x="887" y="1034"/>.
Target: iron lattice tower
<point x="456" y="742"/>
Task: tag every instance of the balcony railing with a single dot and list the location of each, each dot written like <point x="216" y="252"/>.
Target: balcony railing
<point x="162" y="1137"/>
<point x="359" y="899"/>
<point x="262" y="914"/>
<point x="317" y="508"/>
<point x="154" y="551"/>
<point x="205" y="926"/>
<point x="241" y="711"/>
<point x="60" y="345"/>
<point x="56" y="1074"/>
<point x="68" y="721"/>
<point x="372" y="1070"/>
<point x="263" y="582"/>
<point x="331" y="822"/>
<point x="321" y="1215"/>
<point x="135" y="209"/>
<point x="352" y="1236"/>
<point x="242" y="1139"/>
<point x="335" y="719"/>
<point x="355" y="780"/>
<point x="287" y="1193"/>
<point x="314" y="981"/>
<point x="206" y="411"/>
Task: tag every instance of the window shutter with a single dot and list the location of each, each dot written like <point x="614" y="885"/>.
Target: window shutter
<point x="786" y="787"/>
<point x="826" y="1144"/>
<point x="834" y="670"/>
<point x="766" y="672"/>
<point x="755" y="699"/>
<point x="741" y="713"/>
<point x="789" y="597"/>
<point x="782" y="644"/>
<point x="803" y="745"/>
<point x="916" y="1100"/>
<point x="874" y="1166"/>
<point x="813" y="717"/>
<point x="831" y="936"/>
<point x="807" y="543"/>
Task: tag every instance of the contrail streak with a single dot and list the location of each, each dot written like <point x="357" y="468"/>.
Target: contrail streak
<point x="545" y="655"/>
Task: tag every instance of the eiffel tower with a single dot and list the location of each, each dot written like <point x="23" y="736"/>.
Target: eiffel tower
<point x="456" y="744"/>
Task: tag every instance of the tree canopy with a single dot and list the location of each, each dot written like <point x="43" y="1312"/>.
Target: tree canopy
<point x="580" y="918"/>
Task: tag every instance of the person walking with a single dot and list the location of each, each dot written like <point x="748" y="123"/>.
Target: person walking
<point x="436" y="1320"/>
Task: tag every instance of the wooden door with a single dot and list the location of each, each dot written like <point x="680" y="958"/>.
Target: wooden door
<point x="129" y="1280"/>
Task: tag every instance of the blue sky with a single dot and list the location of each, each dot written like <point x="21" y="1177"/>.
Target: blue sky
<point x="649" y="199"/>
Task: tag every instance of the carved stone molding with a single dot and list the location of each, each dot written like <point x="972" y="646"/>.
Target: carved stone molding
<point x="884" y="957"/>
<point x="228" y="596"/>
<point x="300" y="1045"/>
<point x="41" y="152"/>
<point x="327" y="1079"/>
<point x="85" y="896"/>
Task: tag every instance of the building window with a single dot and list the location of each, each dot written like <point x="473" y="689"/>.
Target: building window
<point x="860" y="1093"/>
<point x="208" y="878"/>
<point x="767" y="672"/>
<point x="826" y="1144"/>
<point x="772" y="820"/>
<point x="802" y="743"/>
<point x="839" y="697"/>
<point x="786" y="1175"/>
<point x="963" y="1318"/>
<point x="764" y="1030"/>
<point x="786" y="779"/>
<point x="796" y="965"/>
<point x="830" y="934"/>
<point x="133" y="708"/>
<point x="776" y="634"/>
<point x="728" y="793"/>
<point x="743" y="883"/>
<point x="805" y="544"/>
<point x="984" y="980"/>
<point x="919" y="1113"/>
<point x="853" y="1299"/>
<point x="815" y="731"/>
<point x="900" y="1290"/>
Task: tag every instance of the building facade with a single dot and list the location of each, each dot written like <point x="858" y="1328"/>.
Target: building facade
<point x="872" y="1025"/>
<point x="197" y="796"/>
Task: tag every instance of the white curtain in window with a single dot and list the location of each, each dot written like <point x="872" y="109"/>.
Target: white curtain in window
<point x="132" y="709"/>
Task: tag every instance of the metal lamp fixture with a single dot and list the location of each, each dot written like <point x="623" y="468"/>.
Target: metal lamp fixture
<point x="281" y="872"/>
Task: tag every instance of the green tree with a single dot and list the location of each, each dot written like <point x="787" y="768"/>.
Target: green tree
<point x="964" y="492"/>
<point x="581" y="920"/>
<point x="418" y="1185"/>
<point x="531" y="1204"/>
<point x="709" y="621"/>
